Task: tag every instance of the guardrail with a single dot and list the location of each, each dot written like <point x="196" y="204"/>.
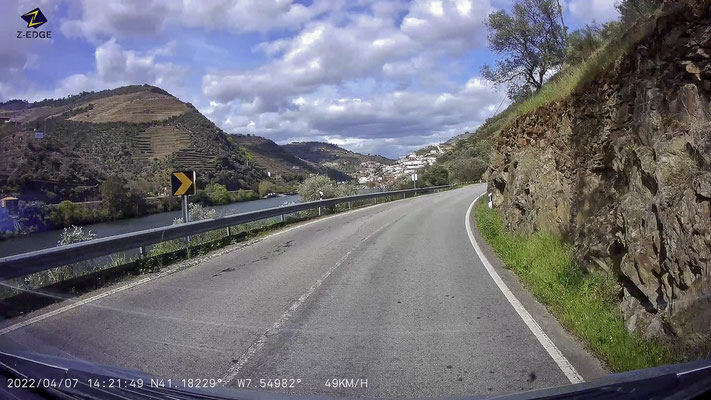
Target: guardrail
<point x="41" y="260"/>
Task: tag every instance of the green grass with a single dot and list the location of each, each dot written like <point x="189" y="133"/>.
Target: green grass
<point x="585" y="303"/>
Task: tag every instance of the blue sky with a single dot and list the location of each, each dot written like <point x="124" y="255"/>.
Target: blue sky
<point x="385" y="77"/>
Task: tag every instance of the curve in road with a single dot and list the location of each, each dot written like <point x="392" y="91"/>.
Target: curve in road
<point x="387" y="301"/>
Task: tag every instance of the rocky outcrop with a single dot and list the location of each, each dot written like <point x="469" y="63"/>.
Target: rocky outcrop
<point x="623" y="169"/>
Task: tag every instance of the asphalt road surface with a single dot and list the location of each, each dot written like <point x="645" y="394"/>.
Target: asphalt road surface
<point x="390" y="301"/>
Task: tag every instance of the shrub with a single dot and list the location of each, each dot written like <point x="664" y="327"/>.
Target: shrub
<point x="74" y="234"/>
<point x="120" y="201"/>
<point x="32" y="215"/>
<point x="265" y="187"/>
<point x="196" y="213"/>
<point x="246" y="195"/>
<point x="435" y="175"/>
<point x="218" y="194"/>
<point x="66" y="214"/>
<point x="312" y="188"/>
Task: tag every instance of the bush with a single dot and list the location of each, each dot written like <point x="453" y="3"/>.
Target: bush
<point x="467" y="169"/>
<point x="435" y="175"/>
<point x="66" y="214"/>
<point x="32" y="216"/>
<point x="312" y="188"/>
<point x="265" y="187"/>
<point x="74" y="234"/>
<point x="120" y="201"/>
<point x="246" y="195"/>
<point x="196" y="213"/>
<point x="218" y="194"/>
<point x="200" y="197"/>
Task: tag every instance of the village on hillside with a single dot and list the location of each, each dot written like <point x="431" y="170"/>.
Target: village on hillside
<point x="377" y="174"/>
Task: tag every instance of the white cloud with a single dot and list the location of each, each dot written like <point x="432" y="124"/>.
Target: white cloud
<point x="116" y="67"/>
<point x="321" y="54"/>
<point x="458" y="24"/>
<point x="587" y="11"/>
<point x="379" y="76"/>
<point x="391" y="122"/>
<point x="327" y="52"/>
<point x="97" y="19"/>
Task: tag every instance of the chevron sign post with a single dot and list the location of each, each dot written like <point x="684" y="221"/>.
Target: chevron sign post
<point x="184" y="183"/>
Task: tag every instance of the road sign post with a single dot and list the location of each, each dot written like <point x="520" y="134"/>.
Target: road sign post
<point x="414" y="180"/>
<point x="183" y="184"/>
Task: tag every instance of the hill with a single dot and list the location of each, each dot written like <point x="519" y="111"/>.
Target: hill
<point x="141" y="133"/>
<point x="331" y="156"/>
<point x="275" y="159"/>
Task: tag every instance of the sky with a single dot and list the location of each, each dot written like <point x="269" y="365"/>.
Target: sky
<point x="382" y="77"/>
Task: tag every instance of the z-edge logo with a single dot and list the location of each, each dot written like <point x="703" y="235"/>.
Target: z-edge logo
<point x="34" y="18"/>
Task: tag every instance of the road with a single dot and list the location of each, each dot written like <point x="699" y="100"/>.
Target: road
<point x="393" y="296"/>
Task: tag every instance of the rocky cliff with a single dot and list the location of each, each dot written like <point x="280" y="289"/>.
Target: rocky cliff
<point x="622" y="168"/>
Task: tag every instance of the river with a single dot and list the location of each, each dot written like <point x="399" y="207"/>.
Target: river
<point x="42" y="240"/>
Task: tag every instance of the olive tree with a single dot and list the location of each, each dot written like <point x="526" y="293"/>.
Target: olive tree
<point x="321" y="186"/>
<point x="532" y="43"/>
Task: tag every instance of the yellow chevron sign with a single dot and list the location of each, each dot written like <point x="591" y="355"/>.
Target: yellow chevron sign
<point x="183" y="183"/>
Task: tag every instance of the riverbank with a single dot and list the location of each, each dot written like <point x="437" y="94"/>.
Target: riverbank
<point x="36" y="216"/>
<point x="49" y="238"/>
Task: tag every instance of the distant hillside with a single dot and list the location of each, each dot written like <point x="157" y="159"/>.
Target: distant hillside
<point x="332" y="156"/>
<point x="463" y="136"/>
<point x="277" y="160"/>
<point x="139" y="132"/>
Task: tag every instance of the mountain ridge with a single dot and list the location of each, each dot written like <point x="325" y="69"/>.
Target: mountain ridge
<point x="138" y="132"/>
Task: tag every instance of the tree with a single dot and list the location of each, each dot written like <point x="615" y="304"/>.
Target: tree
<point x="312" y="188"/>
<point x="532" y="41"/>
<point x="435" y="175"/>
<point x="467" y="169"/>
<point x="118" y="200"/>
<point x="265" y="187"/>
<point x="217" y="193"/>
<point x="582" y="43"/>
<point x="632" y="10"/>
<point x="66" y="213"/>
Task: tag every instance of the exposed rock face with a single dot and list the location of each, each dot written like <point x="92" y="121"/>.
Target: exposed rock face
<point x="623" y="169"/>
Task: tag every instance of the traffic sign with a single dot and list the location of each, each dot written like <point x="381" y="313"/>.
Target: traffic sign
<point x="183" y="183"/>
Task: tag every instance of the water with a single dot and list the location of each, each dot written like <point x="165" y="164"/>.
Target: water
<point x="42" y="240"/>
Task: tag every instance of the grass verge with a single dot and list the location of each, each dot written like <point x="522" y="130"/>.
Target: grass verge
<point x="584" y="303"/>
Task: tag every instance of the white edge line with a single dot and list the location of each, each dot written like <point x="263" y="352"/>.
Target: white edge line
<point x="172" y="270"/>
<point x="558" y="357"/>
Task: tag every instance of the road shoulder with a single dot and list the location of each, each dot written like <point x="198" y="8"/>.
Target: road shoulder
<point x="586" y="364"/>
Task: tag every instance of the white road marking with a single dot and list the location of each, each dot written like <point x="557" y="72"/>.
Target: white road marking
<point x="177" y="268"/>
<point x="259" y="343"/>
<point x="570" y="372"/>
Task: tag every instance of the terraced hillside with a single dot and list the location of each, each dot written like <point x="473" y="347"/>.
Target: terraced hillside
<point x="139" y="132"/>
<point x="275" y="159"/>
<point x="331" y="156"/>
